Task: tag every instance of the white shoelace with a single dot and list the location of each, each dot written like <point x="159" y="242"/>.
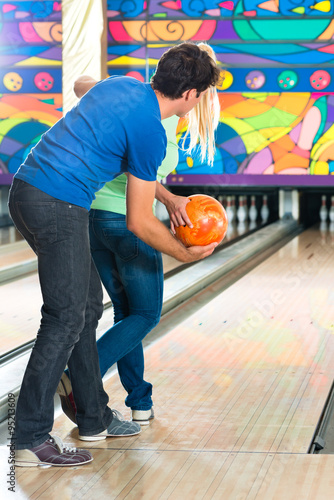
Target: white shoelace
<point x="63" y="448"/>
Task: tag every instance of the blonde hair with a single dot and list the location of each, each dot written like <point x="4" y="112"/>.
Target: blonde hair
<point x="203" y="120"/>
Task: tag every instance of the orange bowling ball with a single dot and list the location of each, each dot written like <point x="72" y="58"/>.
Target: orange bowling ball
<point x="209" y="221"/>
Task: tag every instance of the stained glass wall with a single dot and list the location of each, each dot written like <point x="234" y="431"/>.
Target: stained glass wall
<point x="30" y="77"/>
<point x="277" y="99"/>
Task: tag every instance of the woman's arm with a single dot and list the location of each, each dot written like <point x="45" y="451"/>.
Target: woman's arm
<point x="175" y="205"/>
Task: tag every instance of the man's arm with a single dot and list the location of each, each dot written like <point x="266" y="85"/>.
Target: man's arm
<point x="141" y="221"/>
<point x="83" y="84"/>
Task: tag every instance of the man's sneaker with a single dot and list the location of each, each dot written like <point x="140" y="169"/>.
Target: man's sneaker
<point x="117" y="428"/>
<point x="64" y="390"/>
<point x="52" y="452"/>
<point x="142" y="417"/>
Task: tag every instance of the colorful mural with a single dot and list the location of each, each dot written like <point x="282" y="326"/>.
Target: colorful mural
<point x="277" y="133"/>
<point x="30" y="77"/>
<point x="23" y="119"/>
<point x="277" y="57"/>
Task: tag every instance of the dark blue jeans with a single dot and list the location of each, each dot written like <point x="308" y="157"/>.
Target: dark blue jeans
<point x="132" y="274"/>
<point x="72" y="305"/>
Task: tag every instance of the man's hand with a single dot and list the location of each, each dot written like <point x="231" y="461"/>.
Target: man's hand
<point x="200" y="252"/>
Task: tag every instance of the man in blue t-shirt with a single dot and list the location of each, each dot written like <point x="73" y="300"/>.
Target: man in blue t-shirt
<point x="115" y="128"/>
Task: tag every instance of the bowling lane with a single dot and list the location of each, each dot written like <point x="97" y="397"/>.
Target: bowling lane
<point x="21" y="301"/>
<point x="17" y="259"/>
<point x="239" y="385"/>
<point x="250" y="371"/>
<point x="230" y="261"/>
<point x="9" y="235"/>
<point x="19" y="325"/>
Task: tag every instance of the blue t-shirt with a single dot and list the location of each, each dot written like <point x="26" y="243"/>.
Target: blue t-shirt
<point x="115" y="128"/>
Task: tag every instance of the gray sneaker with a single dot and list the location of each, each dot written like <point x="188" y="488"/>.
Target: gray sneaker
<point x="52" y="452"/>
<point x="117" y="428"/>
<point x="142" y="417"/>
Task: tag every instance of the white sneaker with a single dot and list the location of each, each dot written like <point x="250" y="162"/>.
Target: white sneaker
<point x="142" y="417"/>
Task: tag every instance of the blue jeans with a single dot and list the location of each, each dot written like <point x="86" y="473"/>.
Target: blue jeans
<point x="72" y="305"/>
<point x="132" y="274"/>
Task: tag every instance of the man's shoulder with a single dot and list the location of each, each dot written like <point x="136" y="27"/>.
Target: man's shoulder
<point x="122" y="81"/>
<point x="132" y="93"/>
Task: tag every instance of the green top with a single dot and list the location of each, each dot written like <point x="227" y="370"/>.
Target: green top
<point x="112" y="196"/>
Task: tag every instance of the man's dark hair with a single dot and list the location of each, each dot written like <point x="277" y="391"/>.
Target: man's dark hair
<point x="182" y="68"/>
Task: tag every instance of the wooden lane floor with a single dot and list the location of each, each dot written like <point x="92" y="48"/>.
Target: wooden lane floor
<point x="9" y="235"/>
<point x="19" y="324"/>
<point x="15" y="251"/>
<point x="239" y="387"/>
<point x="21" y="301"/>
<point x="185" y="475"/>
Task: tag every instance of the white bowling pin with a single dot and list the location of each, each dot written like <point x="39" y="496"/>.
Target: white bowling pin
<point x="246" y="206"/>
<point x="234" y="208"/>
<point x="229" y="210"/>
<point x="331" y="210"/>
<point x="323" y="214"/>
<point x="13" y="234"/>
<point x="264" y="209"/>
<point x="241" y="212"/>
<point x="252" y="210"/>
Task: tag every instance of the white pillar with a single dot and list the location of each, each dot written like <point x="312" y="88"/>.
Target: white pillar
<point x="84" y="44"/>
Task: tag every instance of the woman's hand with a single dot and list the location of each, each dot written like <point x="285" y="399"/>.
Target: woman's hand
<point x="176" y="208"/>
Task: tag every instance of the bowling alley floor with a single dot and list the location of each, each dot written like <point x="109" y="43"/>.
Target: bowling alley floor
<point x="240" y="382"/>
<point x="19" y="285"/>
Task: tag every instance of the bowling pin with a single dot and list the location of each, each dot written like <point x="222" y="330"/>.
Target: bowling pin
<point x="246" y="206"/>
<point x="241" y="212"/>
<point x="264" y="209"/>
<point x="222" y="200"/>
<point x="331" y="211"/>
<point x="13" y="235"/>
<point x="323" y="214"/>
<point x="234" y="209"/>
<point x="229" y="210"/>
<point x="252" y="210"/>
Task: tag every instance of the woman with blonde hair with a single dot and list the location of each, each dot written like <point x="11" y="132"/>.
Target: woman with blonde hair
<point x="203" y="119"/>
<point x="130" y="270"/>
